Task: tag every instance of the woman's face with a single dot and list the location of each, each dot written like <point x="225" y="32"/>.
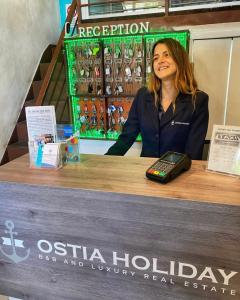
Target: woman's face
<point x="164" y="66"/>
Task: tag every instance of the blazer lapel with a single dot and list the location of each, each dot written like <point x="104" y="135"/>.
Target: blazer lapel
<point x="167" y="116"/>
<point x="182" y="102"/>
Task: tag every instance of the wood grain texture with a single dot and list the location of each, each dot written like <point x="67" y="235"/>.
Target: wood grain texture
<point x="127" y="175"/>
<point x="196" y="233"/>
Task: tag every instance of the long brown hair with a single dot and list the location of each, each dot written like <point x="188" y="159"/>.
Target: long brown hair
<point x="185" y="81"/>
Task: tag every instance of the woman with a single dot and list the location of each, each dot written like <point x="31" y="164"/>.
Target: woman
<point x="171" y="114"/>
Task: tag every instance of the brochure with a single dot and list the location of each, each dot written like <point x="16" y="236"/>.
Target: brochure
<point x="43" y="149"/>
<point x="51" y="155"/>
<point x="224" y="153"/>
<point x="41" y="123"/>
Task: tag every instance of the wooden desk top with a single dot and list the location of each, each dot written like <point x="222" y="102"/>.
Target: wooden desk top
<point x="127" y="175"/>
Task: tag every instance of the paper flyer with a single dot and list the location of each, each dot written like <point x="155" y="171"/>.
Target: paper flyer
<point x="224" y="153"/>
<point x="41" y="125"/>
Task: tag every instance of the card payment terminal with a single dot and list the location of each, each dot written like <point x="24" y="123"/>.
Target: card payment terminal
<point x="168" y="166"/>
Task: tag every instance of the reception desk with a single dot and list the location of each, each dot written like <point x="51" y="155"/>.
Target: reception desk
<point x="101" y="230"/>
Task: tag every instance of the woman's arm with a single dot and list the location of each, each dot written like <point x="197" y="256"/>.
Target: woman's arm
<point x="199" y="126"/>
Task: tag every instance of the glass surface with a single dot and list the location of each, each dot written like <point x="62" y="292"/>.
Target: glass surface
<point x="181" y="3"/>
<point x="98" y="7"/>
<point x="173" y="157"/>
<point x="106" y="9"/>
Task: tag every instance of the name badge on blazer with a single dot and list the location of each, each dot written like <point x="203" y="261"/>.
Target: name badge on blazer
<point x="179" y="123"/>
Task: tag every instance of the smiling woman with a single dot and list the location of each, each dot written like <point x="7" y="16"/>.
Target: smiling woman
<point x="163" y="64"/>
<point x="171" y="114"/>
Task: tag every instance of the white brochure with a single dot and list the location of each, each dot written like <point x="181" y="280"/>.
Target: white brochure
<point x="224" y="152"/>
<point x="41" y="126"/>
<point x="41" y="123"/>
<point x="51" y="156"/>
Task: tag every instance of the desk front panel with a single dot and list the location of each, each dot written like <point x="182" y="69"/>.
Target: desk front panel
<point x="61" y="243"/>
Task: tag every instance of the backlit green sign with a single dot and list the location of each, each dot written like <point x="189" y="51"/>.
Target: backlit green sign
<point x="115" y="29"/>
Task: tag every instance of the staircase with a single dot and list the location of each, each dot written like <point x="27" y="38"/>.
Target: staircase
<point x="56" y="95"/>
<point x="49" y="87"/>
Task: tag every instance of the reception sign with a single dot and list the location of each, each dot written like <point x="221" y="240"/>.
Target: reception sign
<point x="77" y="244"/>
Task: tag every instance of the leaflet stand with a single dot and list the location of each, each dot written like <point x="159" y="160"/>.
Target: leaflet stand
<point x="44" y="152"/>
<point x="45" y="155"/>
<point x="71" y="149"/>
<point x="224" y="152"/>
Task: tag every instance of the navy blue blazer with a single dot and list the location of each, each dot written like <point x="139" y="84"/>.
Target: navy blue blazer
<point x="182" y="130"/>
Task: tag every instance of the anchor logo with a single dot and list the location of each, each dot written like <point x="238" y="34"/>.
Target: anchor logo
<point x="14" y="243"/>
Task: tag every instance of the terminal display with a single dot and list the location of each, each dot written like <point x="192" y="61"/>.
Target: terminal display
<point x="168" y="166"/>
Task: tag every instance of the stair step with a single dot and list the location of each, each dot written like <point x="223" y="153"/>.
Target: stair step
<point x="14" y="136"/>
<point x="18" y="141"/>
<point x="48" y="53"/>
<point x="43" y="69"/>
<point x="62" y="111"/>
<point x="36" y="87"/>
<point x="59" y="72"/>
<point x="29" y="103"/>
<point x="30" y="93"/>
<point x="22" y="131"/>
<point x="56" y="91"/>
<point x="5" y="159"/>
<point x="53" y="49"/>
<point x="17" y="149"/>
<point x="65" y="118"/>
<point x="22" y="116"/>
<point x="37" y="75"/>
<point x="58" y="68"/>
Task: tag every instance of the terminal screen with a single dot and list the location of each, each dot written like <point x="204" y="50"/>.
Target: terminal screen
<point x="173" y="158"/>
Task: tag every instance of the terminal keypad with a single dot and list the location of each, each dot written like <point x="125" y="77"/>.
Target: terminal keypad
<point x="161" y="168"/>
